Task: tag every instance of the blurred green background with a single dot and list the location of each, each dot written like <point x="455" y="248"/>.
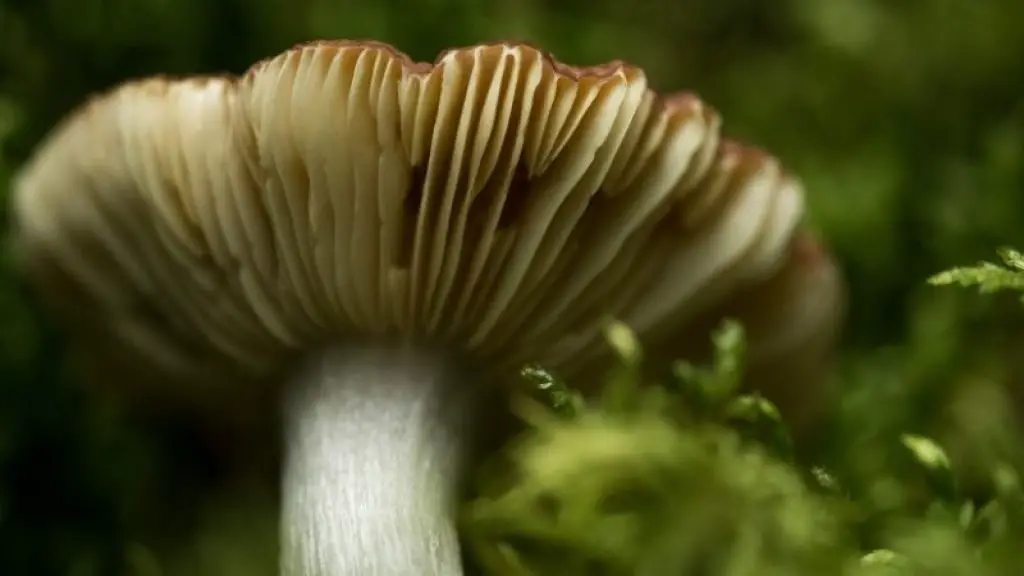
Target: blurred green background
<point x="906" y="121"/>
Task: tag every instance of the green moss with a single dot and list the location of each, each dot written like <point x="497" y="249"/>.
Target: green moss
<point x="665" y="480"/>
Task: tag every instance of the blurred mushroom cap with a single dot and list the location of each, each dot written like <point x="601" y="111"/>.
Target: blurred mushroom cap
<point x="792" y="313"/>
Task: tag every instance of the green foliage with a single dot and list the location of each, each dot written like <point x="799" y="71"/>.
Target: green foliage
<point x="619" y="485"/>
<point x="988" y="277"/>
<point x="646" y="481"/>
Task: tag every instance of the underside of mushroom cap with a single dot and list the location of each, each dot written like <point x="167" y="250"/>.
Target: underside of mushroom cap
<point x="495" y="201"/>
<point x="792" y="318"/>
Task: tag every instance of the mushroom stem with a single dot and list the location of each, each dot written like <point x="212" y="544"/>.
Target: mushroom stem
<point x="376" y="440"/>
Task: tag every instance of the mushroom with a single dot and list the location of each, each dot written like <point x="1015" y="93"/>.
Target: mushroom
<point x="384" y="240"/>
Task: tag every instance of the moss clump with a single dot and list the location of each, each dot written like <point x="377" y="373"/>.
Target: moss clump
<point x="690" y="477"/>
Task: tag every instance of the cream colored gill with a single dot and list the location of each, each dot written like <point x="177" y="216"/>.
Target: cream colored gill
<point x="591" y="277"/>
<point x="683" y="272"/>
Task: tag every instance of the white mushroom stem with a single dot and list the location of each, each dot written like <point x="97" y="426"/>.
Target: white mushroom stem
<point x="376" y="440"/>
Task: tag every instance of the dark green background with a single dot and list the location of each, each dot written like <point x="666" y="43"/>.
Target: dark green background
<point x="905" y="120"/>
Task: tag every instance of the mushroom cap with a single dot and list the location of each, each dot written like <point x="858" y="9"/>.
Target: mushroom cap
<point x="497" y="202"/>
<point x="792" y="315"/>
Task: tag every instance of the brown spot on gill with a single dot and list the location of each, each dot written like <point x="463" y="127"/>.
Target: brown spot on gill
<point x="412" y="204"/>
<point x="517" y="197"/>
